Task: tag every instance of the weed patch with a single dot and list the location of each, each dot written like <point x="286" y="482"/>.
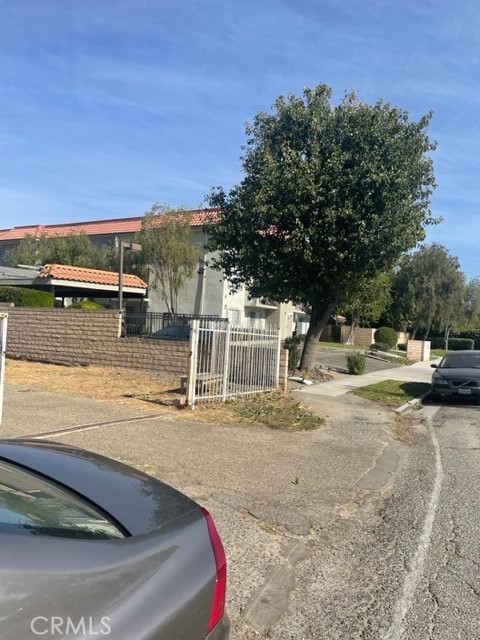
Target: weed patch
<point x="276" y="411"/>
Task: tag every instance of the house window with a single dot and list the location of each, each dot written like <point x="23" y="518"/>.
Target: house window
<point x="234" y="316"/>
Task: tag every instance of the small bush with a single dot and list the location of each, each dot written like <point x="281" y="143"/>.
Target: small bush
<point x="380" y="346"/>
<point x="294" y="351"/>
<point x="386" y="335"/>
<point x="23" y="297"/>
<point x="86" y="304"/>
<point x="402" y="346"/>
<point x="356" y="362"/>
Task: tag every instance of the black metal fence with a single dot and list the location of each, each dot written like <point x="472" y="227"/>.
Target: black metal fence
<point x="160" y="326"/>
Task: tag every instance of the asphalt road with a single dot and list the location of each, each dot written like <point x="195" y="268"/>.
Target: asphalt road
<point x="366" y="529"/>
<point x="290" y="507"/>
<point x="446" y="601"/>
<point x="336" y="357"/>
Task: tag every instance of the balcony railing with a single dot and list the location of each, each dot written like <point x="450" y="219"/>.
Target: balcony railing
<point x="265" y="303"/>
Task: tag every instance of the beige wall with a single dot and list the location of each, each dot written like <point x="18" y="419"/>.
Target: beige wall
<point x="81" y="337"/>
<point x="418" y="350"/>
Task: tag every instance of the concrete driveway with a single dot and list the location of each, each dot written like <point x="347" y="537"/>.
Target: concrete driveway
<point x="284" y="502"/>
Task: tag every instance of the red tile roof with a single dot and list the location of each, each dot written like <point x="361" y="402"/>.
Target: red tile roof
<point x="95" y="227"/>
<point x="95" y="276"/>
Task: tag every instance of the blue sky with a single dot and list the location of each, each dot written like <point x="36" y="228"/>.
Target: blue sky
<point x="109" y="106"/>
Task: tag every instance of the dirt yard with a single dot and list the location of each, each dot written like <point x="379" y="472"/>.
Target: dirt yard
<point x="143" y="390"/>
<point x="148" y="392"/>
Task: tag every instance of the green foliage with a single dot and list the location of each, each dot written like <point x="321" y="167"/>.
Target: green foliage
<point x="86" y="304"/>
<point x="402" y="346"/>
<point x="356" y="362"/>
<point x="332" y="195"/>
<point x="380" y="346"/>
<point x="76" y="250"/>
<point x="167" y="249"/>
<point x="387" y="336"/>
<point x="366" y="300"/>
<point x="474" y="335"/>
<point x="454" y="344"/>
<point x="22" y="297"/>
<point x="472" y="304"/>
<point x="429" y="291"/>
<point x="294" y="351"/>
<point x="392" y="393"/>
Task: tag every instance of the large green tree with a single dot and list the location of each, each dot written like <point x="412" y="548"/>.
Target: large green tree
<point x="429" y="291"/>
<point x="472" y="304"/>
<point x="367" y="301"/>
<point x="74" y="249"/>
<point x="332" y="195"/>
<point x="168" y="250"/>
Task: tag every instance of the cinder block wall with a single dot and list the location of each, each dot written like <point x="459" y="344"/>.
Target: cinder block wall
<point x="363" y="335"/>
<point x="82" y="336"/>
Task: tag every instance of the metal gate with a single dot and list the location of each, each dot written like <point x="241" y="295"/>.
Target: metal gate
<point x="228" y="361"/>
<point x="3" y="347"/>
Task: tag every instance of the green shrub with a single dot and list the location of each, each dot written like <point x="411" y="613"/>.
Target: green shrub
<point x="459" y="344"/>
<point x="386" y="335"/>
<point x="454" y="344"/>
<point x="23" y="297"/>
<point x="437" y="343"/>
<point x="380" y="346"/>
<point x="474" y="335"/>
<point x="86" y="304"/>
<point x="294" y="351"/>
<point x="402" y="346"/>
<point x="356" y="362"/>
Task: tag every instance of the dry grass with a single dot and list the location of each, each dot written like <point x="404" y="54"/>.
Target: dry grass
<point x="402" y="431"/>
<point x="110" y="384"/>
<point x="152" y="393"/>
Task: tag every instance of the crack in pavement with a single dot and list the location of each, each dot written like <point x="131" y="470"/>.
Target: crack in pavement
<point x="270" y="602"/>
<point x="86" y="427"/>
<point x="464" y="580"/>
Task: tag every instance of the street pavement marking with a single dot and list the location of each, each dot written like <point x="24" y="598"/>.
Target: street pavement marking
<point x="404" y="603"/>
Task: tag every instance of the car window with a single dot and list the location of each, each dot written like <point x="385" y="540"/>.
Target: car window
<point x="31" y="504"/>
<point x="463" y="361"/>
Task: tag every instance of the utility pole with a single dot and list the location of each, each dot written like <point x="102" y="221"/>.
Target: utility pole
<point x="124" y="246"/>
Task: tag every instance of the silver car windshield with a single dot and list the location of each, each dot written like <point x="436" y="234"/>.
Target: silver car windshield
<point x="460" y="361"/>
<point x="32" y="504"/>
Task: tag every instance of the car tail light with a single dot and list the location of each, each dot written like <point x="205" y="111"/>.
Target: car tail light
<point x="218" y="604"/>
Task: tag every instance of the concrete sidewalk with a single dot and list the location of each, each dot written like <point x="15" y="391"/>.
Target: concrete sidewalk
<point x="418" y="372"/>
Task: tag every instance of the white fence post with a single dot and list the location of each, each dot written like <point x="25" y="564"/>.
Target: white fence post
<point x="3" y="348"/>
<point x="226" y="363"/>
<point x="277" y="368"/>
<point x="192" y="363"/>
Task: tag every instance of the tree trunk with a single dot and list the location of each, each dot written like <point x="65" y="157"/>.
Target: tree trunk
<point x="414" y="332"/>
<point x="353" y="326"/>
<point x="446" y="337"/>
<point x="318" y="319"/>
<point x="429" y="326"/>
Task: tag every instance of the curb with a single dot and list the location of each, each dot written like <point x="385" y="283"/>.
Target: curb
<point x="408" y="406"/>
<point x="331" y="367"/>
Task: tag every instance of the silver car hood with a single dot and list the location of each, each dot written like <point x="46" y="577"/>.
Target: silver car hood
<point x="137" y="501"/>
